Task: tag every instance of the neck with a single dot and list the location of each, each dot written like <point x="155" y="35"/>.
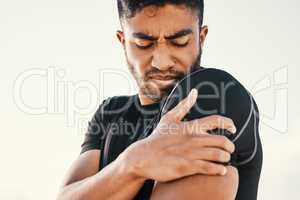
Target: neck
<point x="145" y="100"/>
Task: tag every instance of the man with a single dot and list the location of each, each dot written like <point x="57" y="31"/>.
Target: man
<point x="163" y="42"/>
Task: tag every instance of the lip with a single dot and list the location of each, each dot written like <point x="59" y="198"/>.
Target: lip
<point x="163" y="78"/>
<point x="164" y="82"/>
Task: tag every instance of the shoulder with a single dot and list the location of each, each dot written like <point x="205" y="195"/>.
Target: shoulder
<point x="115" y="104"/>
<point x="217" y="72"/>
<point x="120" y="101"/>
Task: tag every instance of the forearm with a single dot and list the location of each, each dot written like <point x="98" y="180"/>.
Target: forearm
<point x="113" y="182"/>
<point x="198" y="187"/>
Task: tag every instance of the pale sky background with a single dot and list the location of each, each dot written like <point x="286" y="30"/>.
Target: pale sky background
<point x="74" y="41"/>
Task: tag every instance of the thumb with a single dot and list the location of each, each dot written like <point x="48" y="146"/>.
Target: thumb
<point x="183" y="107"/>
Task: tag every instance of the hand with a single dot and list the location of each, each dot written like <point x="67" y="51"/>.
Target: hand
<point x="176" y="149"/>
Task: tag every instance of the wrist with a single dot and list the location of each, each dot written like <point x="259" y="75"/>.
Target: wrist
<point x="129" y="164"/>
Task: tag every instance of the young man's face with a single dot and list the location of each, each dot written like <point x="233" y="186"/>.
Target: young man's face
<point x="162" y="44"/>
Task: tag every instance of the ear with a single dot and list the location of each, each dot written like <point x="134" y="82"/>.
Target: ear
<point x="203" y="33"/>
<point x="121" y="38"/>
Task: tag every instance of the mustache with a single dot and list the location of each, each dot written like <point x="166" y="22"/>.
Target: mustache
<point x="175" y="74"/>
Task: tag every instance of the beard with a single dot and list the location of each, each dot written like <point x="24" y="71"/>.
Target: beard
<point x="150" y="89"/>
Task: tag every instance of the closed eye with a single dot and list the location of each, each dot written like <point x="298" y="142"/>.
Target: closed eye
<point x="143" y="44"/>
<point x="144" y="47"/>
<point x="181" y="41"/>
<point x="179" y="45"/>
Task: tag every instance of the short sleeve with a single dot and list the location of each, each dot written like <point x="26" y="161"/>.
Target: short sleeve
<point x="97" y="129"/>
<point x="249" y="149"/>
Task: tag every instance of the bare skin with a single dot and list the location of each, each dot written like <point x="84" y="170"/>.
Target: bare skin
<point x="167" y="43"/>
<point x="163" y="158"/>
<point x="181" y="159"/>
<point x="199" y="187"/>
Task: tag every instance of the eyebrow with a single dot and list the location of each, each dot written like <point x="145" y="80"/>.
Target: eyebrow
<point x="181" y="33"/>
<point x="144" y="36"/>
<point x="178" y="34"/>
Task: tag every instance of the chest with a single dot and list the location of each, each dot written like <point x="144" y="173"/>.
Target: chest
<point x="122" y="132"/>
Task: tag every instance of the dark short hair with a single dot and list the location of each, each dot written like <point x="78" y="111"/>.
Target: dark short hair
<point x="128" y="8"/>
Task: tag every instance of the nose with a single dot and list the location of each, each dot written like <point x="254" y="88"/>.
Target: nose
<point x="162" y="58"/>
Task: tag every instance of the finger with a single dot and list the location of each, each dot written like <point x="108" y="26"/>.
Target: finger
<point x="215" y="141"/>
<point x="183" y="107"/>
<point x="208" y="168"/>
<point x="208" y="154"/>
<point x="210" y="123"/>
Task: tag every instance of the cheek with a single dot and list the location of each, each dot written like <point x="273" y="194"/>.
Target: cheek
<point x="137" y="58"/>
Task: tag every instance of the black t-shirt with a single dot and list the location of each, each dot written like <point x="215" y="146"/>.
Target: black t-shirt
<point x="121" y="121"/>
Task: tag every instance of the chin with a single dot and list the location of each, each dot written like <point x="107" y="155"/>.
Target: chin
<point x="157" y="97"/>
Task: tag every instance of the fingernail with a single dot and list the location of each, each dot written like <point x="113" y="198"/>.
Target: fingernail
<point x="224" y="171"/>
<point x="232" y="129"/>
<point x="194" y="93"/>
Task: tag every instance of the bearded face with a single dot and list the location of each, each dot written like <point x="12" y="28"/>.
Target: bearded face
<point x="150" y="84"/>
<point x="162" y="45"/>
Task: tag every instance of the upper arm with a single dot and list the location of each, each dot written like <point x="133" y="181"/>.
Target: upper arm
<point x="86" y="165"/>
<point x="199" y="187"/>
<point x="88" y="162"/>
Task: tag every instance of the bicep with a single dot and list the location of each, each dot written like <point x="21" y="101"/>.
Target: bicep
<point x="86" y="165"/>
<point x="199" y="187"/>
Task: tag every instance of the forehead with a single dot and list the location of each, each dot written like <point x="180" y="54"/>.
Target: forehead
<point x="161" y="21"/>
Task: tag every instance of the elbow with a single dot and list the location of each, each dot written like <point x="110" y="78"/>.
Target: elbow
<point x="67" y="193"/>
<point x="62" y="193"/>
